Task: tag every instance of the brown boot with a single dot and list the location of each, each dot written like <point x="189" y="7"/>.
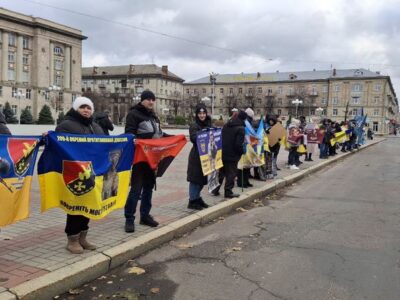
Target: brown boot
<point x="84" y="243"/>
<point x="73" y="244"/>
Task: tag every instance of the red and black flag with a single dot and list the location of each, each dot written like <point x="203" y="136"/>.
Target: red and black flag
<point x="158" y="153"/>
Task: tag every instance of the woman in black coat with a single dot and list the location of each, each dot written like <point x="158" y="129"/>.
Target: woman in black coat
<point x="79" y="120"/>
<point x="195" y="173"/>
<point x="3" y="127"/>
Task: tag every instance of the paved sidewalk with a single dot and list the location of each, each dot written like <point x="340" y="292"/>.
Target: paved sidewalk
<point x="36" y="246"/>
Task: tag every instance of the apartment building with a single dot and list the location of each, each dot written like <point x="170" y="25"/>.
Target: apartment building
<point x="335" y="94"/>
<point x="117" y="88"/>
<point x="40" y="63"/>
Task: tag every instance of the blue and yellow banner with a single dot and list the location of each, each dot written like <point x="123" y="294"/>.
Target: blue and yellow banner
<point x="254" y="146"/>
<point x="85" y="175"/>
<point x="17" y="163"/>
<point x="209" y="145"/>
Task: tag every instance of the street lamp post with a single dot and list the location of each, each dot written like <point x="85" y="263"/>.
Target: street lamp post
<point x="297" y="102"/>
<point x="55" y="88"/>
<point x="213" y="80"/>
<point x="19" y="95"/>
<point x="319" y="111"/>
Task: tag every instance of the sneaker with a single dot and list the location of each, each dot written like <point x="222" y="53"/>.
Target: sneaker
<point x="194" y="205"/>
<point x="129" y="226"/>
<point x="294" y="167"/>
<point x="148" y="221"/>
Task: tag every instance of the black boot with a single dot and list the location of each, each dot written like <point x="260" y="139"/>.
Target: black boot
<point x="202" y="203"/>
<point x="129" y="225"/>
<point x="229" y="194"/>
<point x="309" y="157"/>
<point x="195" y="204"/>
<point x="148" y="221"/>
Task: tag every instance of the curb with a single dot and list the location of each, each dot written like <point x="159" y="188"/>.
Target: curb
<point x="63" y="279"/>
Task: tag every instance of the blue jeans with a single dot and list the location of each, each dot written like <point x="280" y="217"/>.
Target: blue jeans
<point x="194" y="191"/>
<point x="143" y="192"/>
<point x="323" y="150"/>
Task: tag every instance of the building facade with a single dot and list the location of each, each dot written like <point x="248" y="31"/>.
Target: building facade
<point x="40" y="63"/>
<point x="117" y="88"/>
<point x="335" y="94"/>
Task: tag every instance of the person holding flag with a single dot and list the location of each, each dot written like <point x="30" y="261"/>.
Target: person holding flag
<point x="144" y="124"/>
<point x="195" y="175"/>
<point x="79" y="120"/>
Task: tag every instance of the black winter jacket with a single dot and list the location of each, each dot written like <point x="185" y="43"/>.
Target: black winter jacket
<point x="104" y="122"/>
<point x="3" y="127"/>
<point x="194" y="170"/>
<point x="143" y="123"/>
<point x="75" y="123"/>
<point x="233" y="140"/>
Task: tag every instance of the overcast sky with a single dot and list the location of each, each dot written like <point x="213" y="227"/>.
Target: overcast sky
<point x="265" y="35"/>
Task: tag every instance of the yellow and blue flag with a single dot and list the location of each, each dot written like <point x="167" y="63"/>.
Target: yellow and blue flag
<point x="254" y="150"/>
<point x="85" y="175"/>
<point x="209" y="145"/>
<point x="17" y="163"/>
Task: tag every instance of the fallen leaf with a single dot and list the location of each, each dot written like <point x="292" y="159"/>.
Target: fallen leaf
<point x="93" y="288"/>
<point x="56" y="297"/>
<point x="155" y="290"/>
<point x="184" y="246"/>
<point x="239" y="242"/>
<point x="113" y="276"/>
<point x="136" y="270"/>
<point x="109" y="282"/>
<point x="74" y="292"/>
<point x="221" y="218"/>
<point x="241" y="209"/>
<point x="236" y="248"/>
<point x="102" y="277"/>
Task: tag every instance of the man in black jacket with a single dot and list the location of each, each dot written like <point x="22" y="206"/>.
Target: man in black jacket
<point x="232" y="150"/>
<point x="144" y="124"/>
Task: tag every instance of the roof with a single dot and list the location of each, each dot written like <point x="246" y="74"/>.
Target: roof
<point x="286" y="76"/>
<point x="133" y="70"/>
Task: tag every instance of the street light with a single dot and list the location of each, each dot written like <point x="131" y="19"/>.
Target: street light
<point x="19" y="95"/>
<point x="297" y="102"/>
<point x="55" y="89"/>
<point x="213" y="80"/>
<point x="319" y="110"/>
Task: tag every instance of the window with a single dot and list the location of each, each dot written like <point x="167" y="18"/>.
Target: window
<point x="375" y="126"/>
<point x="11" y="75"/>
<point x="336" y="88"/>
<point x="204" y="91"/>
<point x="12" y="39"/>
<point x="279" y="101"/>
<point x="240" y="90"/>
<point x="269" y="91"/>
<point x="312" y="112"/>
<point x="221" y="90"/>
<point x="335" y="101"/>
<point x="259" y="101"/>
<point x="14" y="108"/>
<point x="11" y="57"/>
<point x="377" y="87"/>
<point x="357" y="87"/>
<point x="323" y="101"/>
<point x="58" y="80"/>
<point x="58" y="50"/>
<point x="187" y="91"/>
<point x="231" y="91"/>
<point x="1" y="91"/>
<point x="14" y="92"/>
<point x="47" y="96"/>
<point x="280" y="90"/>
<point x="220" y="111"/>
<point x="25" y="60"/>
<point x="376" y="100"/>
<point x="354" y="112"/>
<point x="25" y="42"/>
<point x="161" y="91"/>
<point x="290" y="91"/>
<point x="58" y="64"/>
<point x="259" y="90"/>
<point x="376" y="112"/>
<point x="60" y="97"/>
<point x="28" y="108"/>
<point x="356" y="100"/>
<point x="25" y="76"/>
<point x="73" y="97"/>
<point x="279" y="112"/>
<point x="28" y="94"/>
<point x="334" y="112"/>
<point x="324" y="88"/>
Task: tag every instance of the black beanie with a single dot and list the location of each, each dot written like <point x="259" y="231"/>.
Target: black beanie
<point x="201" y="107"/>
<point x="147" y="95"/>
<point x="242" y="115"/>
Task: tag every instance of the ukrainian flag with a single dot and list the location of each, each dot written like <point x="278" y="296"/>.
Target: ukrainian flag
<point x="17" y="163"/>
<point x="85" y="175"/>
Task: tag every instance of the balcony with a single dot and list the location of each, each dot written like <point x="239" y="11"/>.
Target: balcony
<point x="270" y="94"/>
<point x="248" y="95"/>
<point x="313" y="93"/>
<point x="230" y="95"/>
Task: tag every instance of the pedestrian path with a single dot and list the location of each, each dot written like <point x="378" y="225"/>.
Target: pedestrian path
<point x="36" y="246"/>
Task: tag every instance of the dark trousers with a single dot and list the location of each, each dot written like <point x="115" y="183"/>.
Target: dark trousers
<point x="76" y="224"/>
<point x="140" y="189"/>
<point x="246" y="176"/>
<point x="228" y="171"/>
<point x="293" y="156"/>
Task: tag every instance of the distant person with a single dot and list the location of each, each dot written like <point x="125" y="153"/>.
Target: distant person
<point x="3" y="127"/>
<point x="104" y="120"/>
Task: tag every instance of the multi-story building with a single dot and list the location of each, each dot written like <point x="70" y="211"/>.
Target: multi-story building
<point x="335" y="94"/>
<point x="117" y="88"/>
<point x="40" y="63"/>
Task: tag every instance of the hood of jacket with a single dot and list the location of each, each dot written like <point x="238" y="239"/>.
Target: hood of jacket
<point x="235" y="122"/>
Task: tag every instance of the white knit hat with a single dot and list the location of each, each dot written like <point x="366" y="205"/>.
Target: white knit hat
<point x="249" y="112"/>
<point x="78" y="102"/>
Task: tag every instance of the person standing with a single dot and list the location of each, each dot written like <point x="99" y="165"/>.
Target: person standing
<point x="195" y="175"/>
<point x="3" y="127"/>
<point x="144" y="124"/>
<point x="232" y="150"/>
<point x="104" y="120"/>
<point x="79" y="120"/>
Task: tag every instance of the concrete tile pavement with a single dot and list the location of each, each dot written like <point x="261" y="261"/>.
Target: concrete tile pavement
<point x="36" y="246"/>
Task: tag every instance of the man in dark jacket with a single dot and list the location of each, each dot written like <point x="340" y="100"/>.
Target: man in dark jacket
<point x="104" y="121"/>
<point x="144" y="124"/>
<point x="3" y="127"/>
<point x="232" y="150"/>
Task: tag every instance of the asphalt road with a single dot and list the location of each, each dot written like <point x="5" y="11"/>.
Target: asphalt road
<point x="333" y="235"/>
